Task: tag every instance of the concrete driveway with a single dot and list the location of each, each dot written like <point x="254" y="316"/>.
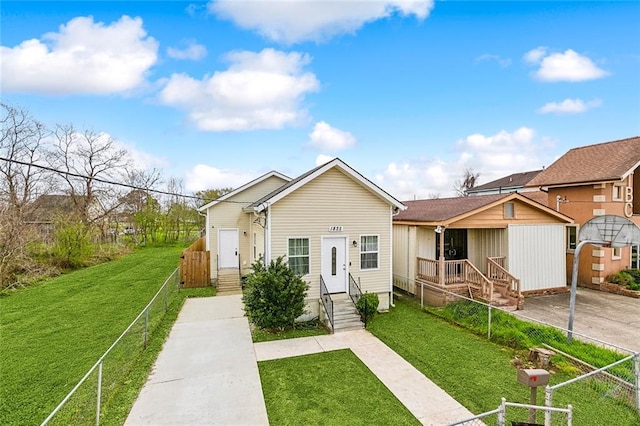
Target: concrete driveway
<point x="604" y="316"/>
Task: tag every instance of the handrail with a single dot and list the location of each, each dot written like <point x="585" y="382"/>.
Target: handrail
<point x="476" y="277"/>
<point x="327" y="302"/>
<point x="455" y="272"/>
<point x="354" y="289"/>
<point x="498" y="273"/>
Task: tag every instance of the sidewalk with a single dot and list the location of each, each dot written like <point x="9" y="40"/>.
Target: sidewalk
<point x="426" y="401"/>
<point x="206" y="373"/>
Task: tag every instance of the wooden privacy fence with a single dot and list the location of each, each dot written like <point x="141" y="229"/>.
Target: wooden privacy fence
<point x="195" y="265"/>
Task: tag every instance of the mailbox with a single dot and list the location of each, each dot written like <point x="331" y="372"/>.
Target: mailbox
<point x="533" y="377"/>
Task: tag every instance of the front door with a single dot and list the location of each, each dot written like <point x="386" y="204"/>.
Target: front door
<point x="334" y="263"/>
<point x="455" y="244"/>
<point x="227" y="248"/>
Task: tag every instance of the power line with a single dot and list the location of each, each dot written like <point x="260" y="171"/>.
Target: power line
<point x="110" y="182"/>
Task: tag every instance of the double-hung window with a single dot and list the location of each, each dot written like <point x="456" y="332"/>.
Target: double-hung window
<point x="572" y="238"/>
<point x="298" y="253"/>
<point x="369" y="252"/>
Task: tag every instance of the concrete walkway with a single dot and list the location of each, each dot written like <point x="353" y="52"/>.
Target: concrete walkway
<point x="206" y="373"/>
<point x="426" y="401"/>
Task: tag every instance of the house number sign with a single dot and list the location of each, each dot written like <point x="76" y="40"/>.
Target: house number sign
<point x="335" y="228"/>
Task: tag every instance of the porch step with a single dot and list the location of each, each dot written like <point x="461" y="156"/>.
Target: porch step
<point x="345" y="314"/>
<point x="228" y="282"/>
<point x="503" y="302"/>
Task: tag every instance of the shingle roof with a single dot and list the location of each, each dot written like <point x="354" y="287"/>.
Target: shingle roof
<point x="593" y="163"/>
<point x="539" y="197"/>
<point x="46" y="207"/>
<point x="514" y="180"/>
<point x="442" y="209"/>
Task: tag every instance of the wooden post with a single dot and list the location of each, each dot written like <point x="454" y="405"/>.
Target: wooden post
<point x="441" y="263"/>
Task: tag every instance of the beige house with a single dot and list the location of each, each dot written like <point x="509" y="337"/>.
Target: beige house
<point x="498" y="246"/>
<point x="332" y="224"/>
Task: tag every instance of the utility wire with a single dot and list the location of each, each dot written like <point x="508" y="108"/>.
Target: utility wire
<point x="110" y="182"/>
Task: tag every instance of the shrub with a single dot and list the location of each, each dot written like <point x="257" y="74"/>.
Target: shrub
<point x="629" y="278"/>
<point x="367" y="305"/>
<point x="274" y="295"/>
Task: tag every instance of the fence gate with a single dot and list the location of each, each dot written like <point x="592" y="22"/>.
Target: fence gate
<point x="195" y="265"/>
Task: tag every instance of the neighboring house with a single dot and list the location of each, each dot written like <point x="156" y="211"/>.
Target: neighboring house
<point x="512" y="183"/>
<point x="590" y="181"/>
<point x="332" y="224"/>
<point x="42" y="214"/>
<point x="496" y="246"/>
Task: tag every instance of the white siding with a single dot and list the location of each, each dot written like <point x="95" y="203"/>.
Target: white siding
<point x="483" y="243"/>
<point x="334" y="199"/>
<point x="537" y="255"/>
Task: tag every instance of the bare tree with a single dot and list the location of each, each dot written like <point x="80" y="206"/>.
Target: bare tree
<point x="468" y="181"/>
<point x="92" y="156"/>
<point x="21" y="145"/>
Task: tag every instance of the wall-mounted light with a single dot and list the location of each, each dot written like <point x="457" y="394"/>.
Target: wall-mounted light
<point x="439" y="229"/>
<point x="355" y="243"/>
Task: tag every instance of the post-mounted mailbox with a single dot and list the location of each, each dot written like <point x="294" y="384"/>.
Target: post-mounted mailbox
<point x="533" y="377"/>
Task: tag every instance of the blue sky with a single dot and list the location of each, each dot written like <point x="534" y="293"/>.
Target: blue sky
<point x="410" y="93"/>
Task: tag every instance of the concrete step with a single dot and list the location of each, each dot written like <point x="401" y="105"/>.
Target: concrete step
<point x="347" y="325"/>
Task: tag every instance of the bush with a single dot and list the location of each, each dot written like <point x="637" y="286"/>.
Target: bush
<point x="367" y="305"/>
<point x="274" y="295"/>
<point x="629" y="278"/>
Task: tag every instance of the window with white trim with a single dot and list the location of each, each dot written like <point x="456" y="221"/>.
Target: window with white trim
<point x="572" y="238"/>
<point x="616" y="253"/>
<point x="509" y="210"/>
<point x="618" y="193"/>
<point x="369" y="252"/>
<point x="298" y="255"/>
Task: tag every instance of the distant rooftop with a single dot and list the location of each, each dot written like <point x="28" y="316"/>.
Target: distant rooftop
<point x="516" y="180"/>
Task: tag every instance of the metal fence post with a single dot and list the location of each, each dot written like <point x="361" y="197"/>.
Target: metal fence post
<point x="570" y="415"/>
<point x="489" y="325"/>
<point x="146" y="327"/>
<point x="548" y="394"/>
<point x="502" y="413"/>
<point x="636" y="368"/>
<point x="99" y="394"/>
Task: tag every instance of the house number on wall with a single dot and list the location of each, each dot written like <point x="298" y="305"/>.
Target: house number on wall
<point x="335" y="229"/>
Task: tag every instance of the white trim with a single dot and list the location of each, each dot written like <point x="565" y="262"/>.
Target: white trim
<point x="613" y="253"/>
<point x="566" y="236"/>
<point x="237" y="241"/>
<point x="294" y="237"/>
<point x="630" y="171"/>
<point x="243" y="187"/>
<point x="267" y="237"/>
<point x="346" y="257"/>
<point x="391" y="257"/>
<point x="613" y="193"/>
<point x="360" y="253"/>
<point x="347" y="169"/>
<point x="207" y="233"/>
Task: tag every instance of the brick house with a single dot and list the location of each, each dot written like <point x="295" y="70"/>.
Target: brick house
<point x="590" y="181"/>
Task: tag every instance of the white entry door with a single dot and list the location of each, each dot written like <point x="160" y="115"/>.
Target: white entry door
<point x="334" y="263"/>
<point x="227" y="248"/>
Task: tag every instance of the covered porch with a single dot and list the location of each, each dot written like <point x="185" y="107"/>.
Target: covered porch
<point x="494" y="248"/>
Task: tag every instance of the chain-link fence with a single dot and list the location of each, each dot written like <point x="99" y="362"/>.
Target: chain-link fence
<point x="610" y="370"/>
<point x="95" y="392"/>
<point x="511" y="413"/>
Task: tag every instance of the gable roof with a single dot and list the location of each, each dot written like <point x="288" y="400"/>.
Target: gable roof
<point x="604" y="162"/>
<point x="47" y="207"/>
<point x="516" y="180"/>
<point x="304" y="178"/>
<point x="244" y="187"/>
<point x="449" y="210"/>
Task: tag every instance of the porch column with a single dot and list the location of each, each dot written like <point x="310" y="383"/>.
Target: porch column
<point x="441" y="259"/>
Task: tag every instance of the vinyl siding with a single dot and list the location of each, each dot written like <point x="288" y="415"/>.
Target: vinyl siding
<point x="537" y="255"/>
<point x="230" y="215"/>
<point x="483" y="243"/>
<point x="334" y="199"/>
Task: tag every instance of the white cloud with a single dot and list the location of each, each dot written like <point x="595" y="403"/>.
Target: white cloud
<point x="327" y="138"/>
<point x="141" y="159"/>
<point x="82" y="57"/>
<point x="568" y="106"/>
<point x="202" y="177"/>
<point x="503" y="62"/>
<point x="568" y="66"/>
<point x="303" y="20"/>
<point x="323" y="159"/>
<point x="493" y="157"/>
<point x="261" y="90"/>
<point x="191" y="51"/>
<point x="534" y="56"/>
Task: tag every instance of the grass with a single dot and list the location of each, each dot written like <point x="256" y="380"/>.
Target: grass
<point x="304" y="329"/>
<point x="52" y="333"/>
<point x="329" y="388"/>
<point x="478" y="373"/>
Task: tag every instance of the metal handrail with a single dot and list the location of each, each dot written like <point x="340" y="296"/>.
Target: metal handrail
<point x="327" y="302"/>
<point x="354" y="289"/>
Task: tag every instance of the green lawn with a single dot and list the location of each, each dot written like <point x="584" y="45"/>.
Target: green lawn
<point x="479" y="373"/>
<point x="52" y="333"/>
<point x="329" y="388"/>
<point x="307" y="329"/>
